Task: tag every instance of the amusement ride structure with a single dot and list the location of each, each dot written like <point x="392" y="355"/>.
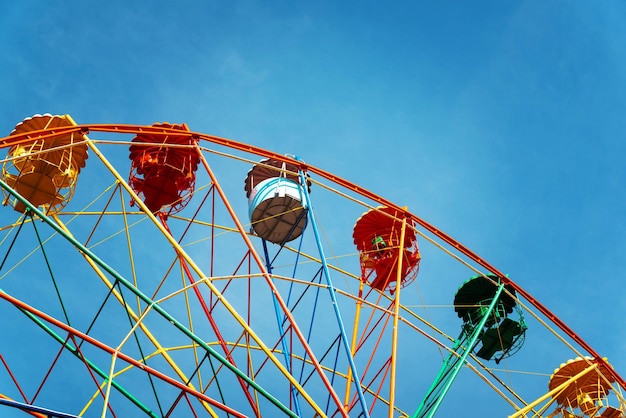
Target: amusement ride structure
<point x="136" y="280"/>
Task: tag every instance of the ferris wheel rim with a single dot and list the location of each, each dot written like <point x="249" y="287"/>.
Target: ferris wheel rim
<point x="135" y="129"/>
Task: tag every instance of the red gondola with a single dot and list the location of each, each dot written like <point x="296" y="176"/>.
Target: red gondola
<point x="164" y="175"/>
<point x="377" y="237"/>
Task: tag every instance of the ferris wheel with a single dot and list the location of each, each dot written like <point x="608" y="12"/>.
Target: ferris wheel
<point x="157" y="271"/>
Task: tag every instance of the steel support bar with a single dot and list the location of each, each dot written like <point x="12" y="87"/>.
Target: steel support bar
<point x="92" y="366"/>
<point x="151" y="304"/>
<point x="33" y="408"/>
<point x="449" y="371"/>
<point x="279" y="299"/>
<point x="333" y="297"/>
<point x="136" y="129"/>
<point x="281" y="330"/>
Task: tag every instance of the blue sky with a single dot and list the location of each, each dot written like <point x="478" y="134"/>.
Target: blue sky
<point x="500" y="123"/>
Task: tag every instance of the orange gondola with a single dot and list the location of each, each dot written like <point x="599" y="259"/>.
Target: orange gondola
<point x="585" y="385"/>
<point x="44" y="170"/>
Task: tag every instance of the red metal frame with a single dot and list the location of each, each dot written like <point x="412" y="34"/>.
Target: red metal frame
<point x="240" y="146"/>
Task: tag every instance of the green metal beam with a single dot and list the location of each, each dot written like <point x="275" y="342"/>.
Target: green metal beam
<point x="91" y="365"/>
<point x="453" y="364"/>
<point x="151" y="303"/>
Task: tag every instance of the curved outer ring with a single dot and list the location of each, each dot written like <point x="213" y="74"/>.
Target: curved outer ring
<point x="141" y="129"/>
